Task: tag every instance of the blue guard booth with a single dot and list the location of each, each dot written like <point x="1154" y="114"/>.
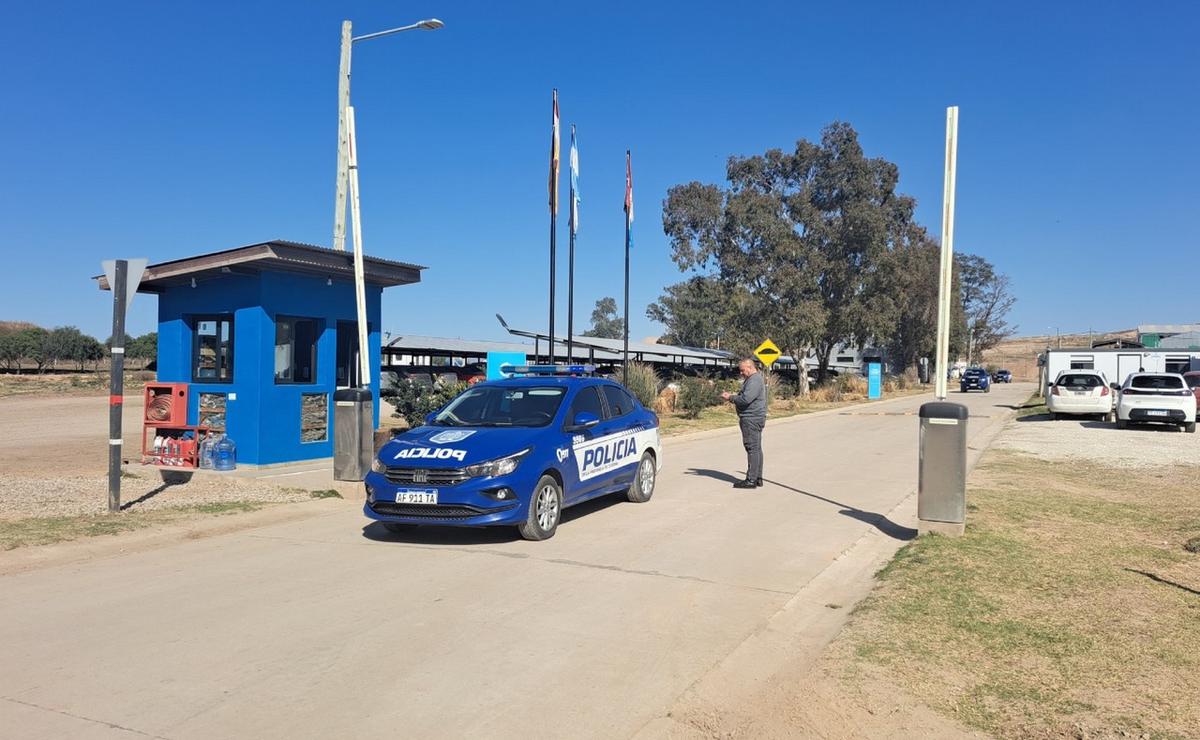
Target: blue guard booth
<point x="264" y="334"/>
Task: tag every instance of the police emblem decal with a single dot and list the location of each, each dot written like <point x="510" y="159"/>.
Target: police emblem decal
<point x="443" y="438"/>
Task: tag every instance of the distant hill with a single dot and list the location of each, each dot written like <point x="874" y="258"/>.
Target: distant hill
<point x="16" y="325"/>
<point x="1019" y="354"/>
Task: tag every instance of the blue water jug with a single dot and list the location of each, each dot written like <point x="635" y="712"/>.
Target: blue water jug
<point x="224" y="454"/>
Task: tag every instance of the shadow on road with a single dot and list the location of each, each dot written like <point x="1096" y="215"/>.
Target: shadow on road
<point x="1163" y="428"/>
<point x="433" y="534"/>
<point x="169" y="478"/>
<point x="1035" y="417"/>
<point x="879" y="521"/>
<point x="1164" y="581"/>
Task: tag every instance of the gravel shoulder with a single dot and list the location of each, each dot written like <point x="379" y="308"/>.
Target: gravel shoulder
<point x="1094" y="441"/>
<point x="149" y="490"/>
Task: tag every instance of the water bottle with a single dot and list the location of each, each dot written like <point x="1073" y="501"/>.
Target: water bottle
<point x="206" y="452"/>
<point x="225" y="457"/>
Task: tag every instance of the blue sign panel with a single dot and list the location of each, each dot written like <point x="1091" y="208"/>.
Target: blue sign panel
<point x="496" y="360"/>
<point x="874" y="380"/>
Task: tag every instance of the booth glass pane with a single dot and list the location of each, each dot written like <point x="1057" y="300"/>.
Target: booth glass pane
<point x="213" y="350"/>
<point x="295" y="350"/>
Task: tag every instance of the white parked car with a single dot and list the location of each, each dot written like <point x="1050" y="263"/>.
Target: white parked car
<point x="1078" y="392"/>
<point x="1161" y="398"/>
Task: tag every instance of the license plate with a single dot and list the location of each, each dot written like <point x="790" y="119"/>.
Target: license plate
<point x="423" y="496"/>
<point x="1156" y="412"/>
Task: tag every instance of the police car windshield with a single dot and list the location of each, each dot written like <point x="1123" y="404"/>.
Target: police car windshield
<point x="498" y="406"/>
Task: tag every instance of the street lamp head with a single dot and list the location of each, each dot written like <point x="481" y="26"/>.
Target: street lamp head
<point x="431" y="24"/>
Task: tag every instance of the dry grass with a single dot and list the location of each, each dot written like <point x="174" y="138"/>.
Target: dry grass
<point x="85" y="383"/>
<point x="33" y="531"/>
<point x="1019" y="354"/>
<point x="1070" y="607"/>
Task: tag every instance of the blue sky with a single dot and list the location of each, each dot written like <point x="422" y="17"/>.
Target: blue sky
<point x="170" y="129"/>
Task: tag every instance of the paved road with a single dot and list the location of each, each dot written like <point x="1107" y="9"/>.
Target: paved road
<point x="329" y="628"/>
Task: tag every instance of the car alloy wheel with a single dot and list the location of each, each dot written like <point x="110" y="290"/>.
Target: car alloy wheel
<point x="547" y="507"/>
<point x="545" y="510"/>
<point x="642" y="487"/>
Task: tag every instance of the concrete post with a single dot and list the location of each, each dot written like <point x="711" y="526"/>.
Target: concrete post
<point x="339" y="212"/>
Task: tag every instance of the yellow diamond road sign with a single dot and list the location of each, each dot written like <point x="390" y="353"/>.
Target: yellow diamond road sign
<point x="767" y="353"/>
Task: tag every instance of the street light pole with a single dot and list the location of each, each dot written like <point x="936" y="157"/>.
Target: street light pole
<point x="343" y="166"/>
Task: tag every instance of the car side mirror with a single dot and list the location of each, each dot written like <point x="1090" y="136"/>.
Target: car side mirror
<point x="583" y="420"/>
<point x="430" y="417"/>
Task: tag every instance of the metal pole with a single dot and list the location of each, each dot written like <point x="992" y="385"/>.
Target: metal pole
<point x="571" y="286"/>
<point x="625" y="370"/>
<point x="116" y="397"/>
<point x="553" y="248"/>
<point x="554" y="146"/>
<point x="360" y="291"/>
<point x="947" y="264"/>
<point x="339" y="210"/>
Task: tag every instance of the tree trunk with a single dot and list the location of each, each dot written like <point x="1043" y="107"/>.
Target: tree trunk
<point x="801" y="357"/>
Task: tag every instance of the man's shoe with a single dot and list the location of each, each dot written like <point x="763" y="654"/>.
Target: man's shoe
<point x="758" y="483"/>
<point x="744" y="484"/>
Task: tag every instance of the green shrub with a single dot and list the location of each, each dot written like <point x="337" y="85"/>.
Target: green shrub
<point x="697" y="394"/>
<point x="643" y="383"/>
<point x="414" y="402"/>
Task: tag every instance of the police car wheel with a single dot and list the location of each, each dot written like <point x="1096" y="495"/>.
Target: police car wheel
<point x="642" y="487"/>
<point x="545" y="509"/>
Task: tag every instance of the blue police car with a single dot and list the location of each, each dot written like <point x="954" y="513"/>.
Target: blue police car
<point x="517" y="452"/>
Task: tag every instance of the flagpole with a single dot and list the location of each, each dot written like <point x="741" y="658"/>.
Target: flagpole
<point x="626" y="366"/>
<point x="628" y="212"/>
<point x="553" y="228"/>
<point x="553" y="217"/>
<point x="571" y="254"/>
<point x="571" y="286"/>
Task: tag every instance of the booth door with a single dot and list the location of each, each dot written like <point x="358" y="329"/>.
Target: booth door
<point x="347" y="355"/>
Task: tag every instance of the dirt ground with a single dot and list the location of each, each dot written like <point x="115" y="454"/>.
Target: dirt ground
<point x="49" y="436"/>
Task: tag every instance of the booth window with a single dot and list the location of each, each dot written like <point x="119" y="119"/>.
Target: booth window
<point x="296" y="349"/>
<point x="212" y="349"/>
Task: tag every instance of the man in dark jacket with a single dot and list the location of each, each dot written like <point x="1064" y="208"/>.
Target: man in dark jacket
<point x="751" y="405"/>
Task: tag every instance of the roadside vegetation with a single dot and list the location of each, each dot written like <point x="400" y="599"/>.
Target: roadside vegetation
<point x="697" y="404"/>
<point x="815" y="247"/>
<point x="1068" y="609"/>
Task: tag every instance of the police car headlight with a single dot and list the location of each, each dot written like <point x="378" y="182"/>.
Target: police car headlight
<point x="499" y="466"/>
<point x="377" y="467"/>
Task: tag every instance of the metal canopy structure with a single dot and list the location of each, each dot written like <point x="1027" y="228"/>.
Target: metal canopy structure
<point x="595" y="349"/>
<point x="278" y="255"/>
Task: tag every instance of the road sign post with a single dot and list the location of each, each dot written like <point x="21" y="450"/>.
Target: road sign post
<point x="123" y="277"/>
<point x="767" y="353"/>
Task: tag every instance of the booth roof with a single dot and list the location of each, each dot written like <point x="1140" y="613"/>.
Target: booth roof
<point x="280" y="255"/>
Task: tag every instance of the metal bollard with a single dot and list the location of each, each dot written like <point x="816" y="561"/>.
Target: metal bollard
<point x="353" y="433"/>
<point x="942" y="490"/>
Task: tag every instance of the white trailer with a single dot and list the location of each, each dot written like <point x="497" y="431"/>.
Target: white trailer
<point x="1117" y="364"/>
